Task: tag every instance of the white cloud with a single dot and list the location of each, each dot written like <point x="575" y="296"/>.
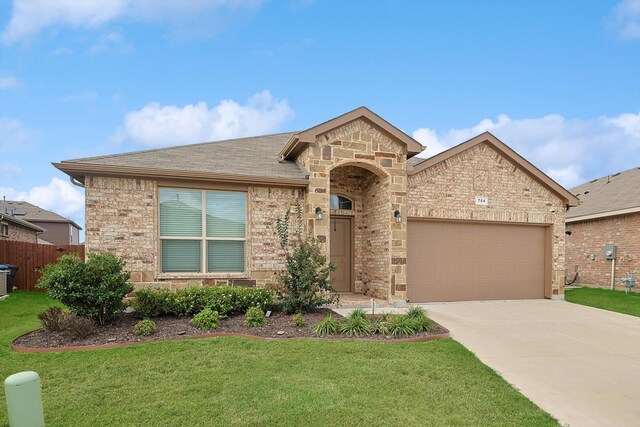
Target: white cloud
<point x="157" y="125"/>
<point x="13" y="135"/>
<point x="61" y="51"/>
<point x="570" y="151"/>
<point x="626" y="19"/>
<point x="29" y="17"/>
<point x="8" y="82"/>
<point x="58" y="196"/>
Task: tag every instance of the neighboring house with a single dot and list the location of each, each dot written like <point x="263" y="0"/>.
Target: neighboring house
<point x="609" y="215"/>
<point x="475" y="222"/>
<point x="16" y="229"/>
<point x="58" y="229"/>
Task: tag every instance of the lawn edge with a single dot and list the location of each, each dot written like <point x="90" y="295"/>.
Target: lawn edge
<point x="21" y="349"/>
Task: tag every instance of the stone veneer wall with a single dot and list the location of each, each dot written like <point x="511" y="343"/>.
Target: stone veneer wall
<point x="589" y="237"/>
<point x="20" y="234"/>
<point x="121" y="218"/>
<point x="361" y="144"/>
<point x="447" y="191"/>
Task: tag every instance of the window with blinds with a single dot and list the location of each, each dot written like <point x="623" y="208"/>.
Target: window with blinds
<point x="202" y="231"/>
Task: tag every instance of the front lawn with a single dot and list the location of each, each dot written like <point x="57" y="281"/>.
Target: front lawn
<point x="235" y="381"/>
<point x="619" y="301"/>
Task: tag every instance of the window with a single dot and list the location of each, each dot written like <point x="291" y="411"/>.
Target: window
<point x="340" y="202"/>
<point x="4" y="229"/>
<point x="202" y="231"/>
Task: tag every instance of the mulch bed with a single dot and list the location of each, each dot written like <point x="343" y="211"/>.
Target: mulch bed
<point x="170" y="328"/>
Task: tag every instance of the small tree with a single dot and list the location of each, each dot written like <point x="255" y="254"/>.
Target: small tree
<point x="94" y="289"/>
<point x="305" y="283"/>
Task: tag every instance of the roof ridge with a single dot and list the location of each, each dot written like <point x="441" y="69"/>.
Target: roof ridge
<point x="151" y="150"/>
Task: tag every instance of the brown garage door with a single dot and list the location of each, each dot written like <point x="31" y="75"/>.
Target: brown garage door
<point x="467" y="261"/>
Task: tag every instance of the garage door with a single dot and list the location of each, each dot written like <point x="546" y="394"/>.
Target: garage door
<point x="466" y="261"/>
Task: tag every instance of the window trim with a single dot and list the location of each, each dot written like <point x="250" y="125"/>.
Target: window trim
<point x="204" y="239"/>
<point x="4" y="224"/>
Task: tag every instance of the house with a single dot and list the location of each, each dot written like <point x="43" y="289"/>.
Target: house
<point x="609" y="215"/>
<point x="58" y="230"/>
<point x="475" y="222"/>
<point x="16" y="229"/>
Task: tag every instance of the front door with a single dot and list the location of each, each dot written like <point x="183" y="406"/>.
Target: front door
<point x="340" y="253"/>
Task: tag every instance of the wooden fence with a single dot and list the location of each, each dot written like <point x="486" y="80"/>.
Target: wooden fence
<point x="31" y="256"/>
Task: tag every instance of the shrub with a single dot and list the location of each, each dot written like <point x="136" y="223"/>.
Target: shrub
<point x="327" y="326"/>
<point x="52" y="318"/>
<point x="359" y="312"/>
<point x="298" y="320"/>
<point x="379" y="326"/>
<point x="226" y="300"/>
<point x="355" y="325"/>
<point x="420" y="319"/>
<point x="153" y="302"/>
<point x="93" y="289"/>
<point x="402" y="326"/>
<point x="255" y="318"/>
<point x="206" y="320"/>
<point x="145" y="328"/>
<point x="78" y="327"/>
<point x="305" y="284"/>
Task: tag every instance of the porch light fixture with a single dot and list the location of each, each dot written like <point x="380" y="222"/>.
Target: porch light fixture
<point x="319" y="213"/>
<point x="398" y="217"/>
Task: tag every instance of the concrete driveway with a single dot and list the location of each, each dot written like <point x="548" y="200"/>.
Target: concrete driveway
<point x="580" y="364"/>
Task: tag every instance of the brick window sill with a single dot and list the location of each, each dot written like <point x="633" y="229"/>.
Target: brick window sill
<point x="169" y="276"/>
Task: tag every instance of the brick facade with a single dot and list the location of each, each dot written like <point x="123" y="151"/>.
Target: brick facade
<point x="588" y="239"/>
<point x="357" y="160"/>
<point x="121" y="217"/>
<point x="447" y="191"/>
<point x="20" y="233"/>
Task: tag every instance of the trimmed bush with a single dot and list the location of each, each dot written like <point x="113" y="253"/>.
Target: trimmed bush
<point x="327" y="326"/>
<point x="226" y="300"/>
<point x="53" y="318"/>
<point x="153" y="302"/>
<point x="93" y="289"/>
<point x="297" y="320"/>
<point x="254" y="318"/>
<point x="78" y="327"/>
<point x="145" y="328"/>
<point x="206" y="320"/>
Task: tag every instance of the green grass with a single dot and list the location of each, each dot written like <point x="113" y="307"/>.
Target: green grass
<point x="234" y="381"/>
<point x="619" y="301"/>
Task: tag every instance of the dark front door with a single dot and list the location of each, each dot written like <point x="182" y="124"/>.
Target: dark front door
<point x="340" y="253"/>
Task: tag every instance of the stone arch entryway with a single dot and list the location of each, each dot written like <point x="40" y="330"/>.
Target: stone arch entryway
<point x="359" y="239"/>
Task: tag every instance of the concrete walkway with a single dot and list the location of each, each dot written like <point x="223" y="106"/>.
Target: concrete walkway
<point x="580" y="364"/>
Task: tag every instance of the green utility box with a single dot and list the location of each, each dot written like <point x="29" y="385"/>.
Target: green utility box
<point x="24" y="400"/>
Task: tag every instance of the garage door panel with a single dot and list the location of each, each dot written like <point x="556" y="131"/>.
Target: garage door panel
<point x="457" y="261"/>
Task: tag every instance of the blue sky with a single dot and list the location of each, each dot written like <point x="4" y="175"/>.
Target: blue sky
<point x="559" y="81"/>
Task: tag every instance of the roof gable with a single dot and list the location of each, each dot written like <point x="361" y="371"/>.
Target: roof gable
<point x="31" y="213"/>
<point x="505" y="151"/>
<point x="300" y="140"/>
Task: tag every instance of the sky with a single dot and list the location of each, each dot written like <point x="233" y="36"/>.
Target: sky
<point x="558" y="81"/>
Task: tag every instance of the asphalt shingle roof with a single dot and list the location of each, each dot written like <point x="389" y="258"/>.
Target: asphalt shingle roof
<point x="31" y="213"/>
<point x="253" y="157"/>
<point x="608" y="194"/>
